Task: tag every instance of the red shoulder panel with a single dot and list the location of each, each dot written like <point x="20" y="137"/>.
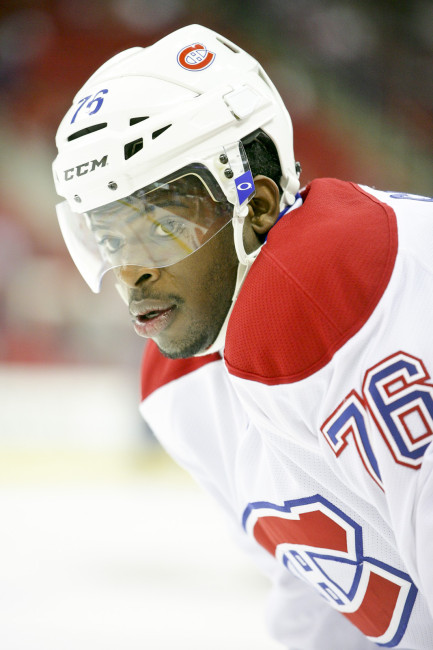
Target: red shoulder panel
<point x="157" y="370"/>
<point x="315" y="283"/>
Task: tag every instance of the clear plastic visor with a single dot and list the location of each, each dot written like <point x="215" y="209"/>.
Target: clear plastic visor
<point x="154" y="227"/>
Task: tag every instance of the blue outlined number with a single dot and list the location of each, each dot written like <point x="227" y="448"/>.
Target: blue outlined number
<point x="95" y="102"/>
<point x="399" y="397"/>
<point x="350" y="419"/>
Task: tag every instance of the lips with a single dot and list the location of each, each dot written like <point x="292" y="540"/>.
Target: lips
<point x="150" y="319"/>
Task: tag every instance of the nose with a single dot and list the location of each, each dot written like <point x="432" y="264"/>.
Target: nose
<point x="132" y="276"/>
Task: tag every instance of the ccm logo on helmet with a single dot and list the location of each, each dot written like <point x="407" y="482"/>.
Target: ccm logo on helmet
<point x="195" y="57"/>
<point x="82" y="169"/>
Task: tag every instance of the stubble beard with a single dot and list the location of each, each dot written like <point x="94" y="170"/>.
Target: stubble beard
<point x="189" y="347"/>
<point x="197" y="338"/>
<point x="202" y="331"/>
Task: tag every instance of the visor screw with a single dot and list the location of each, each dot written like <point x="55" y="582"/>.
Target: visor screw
<point x="223" y="159"/>
<point x="77" y="198"/>
<point x="112" y="185"/>
<point x="228" y="173"/>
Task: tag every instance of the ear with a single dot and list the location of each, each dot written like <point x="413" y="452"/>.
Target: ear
<point x="264" y="208"/>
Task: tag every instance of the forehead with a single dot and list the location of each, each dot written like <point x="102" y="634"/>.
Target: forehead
<point x="188" y="186"/>
<point x="182" y="192"/>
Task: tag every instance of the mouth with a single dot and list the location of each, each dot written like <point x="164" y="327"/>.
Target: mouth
<point x="152" y="321"/>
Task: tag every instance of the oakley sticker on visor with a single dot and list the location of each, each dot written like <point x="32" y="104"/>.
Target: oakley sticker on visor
<point x="195" y="57"/>
<point x="244" y="186"/>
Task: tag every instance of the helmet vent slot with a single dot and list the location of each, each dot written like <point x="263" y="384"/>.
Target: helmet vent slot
<point x="133" y="147"/>
<point x="136" y="120"/>
<point x="158" y="132"/>
<point x="229" y="46"/>
<point x="86" y="131"/>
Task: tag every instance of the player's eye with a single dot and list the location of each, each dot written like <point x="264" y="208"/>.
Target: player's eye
<point x="168" y="227"/>
<point x="111" y="244"/>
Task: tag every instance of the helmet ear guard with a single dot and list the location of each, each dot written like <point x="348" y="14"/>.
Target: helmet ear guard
<point x="147" y="113"/>
<point x="245" y="190"/>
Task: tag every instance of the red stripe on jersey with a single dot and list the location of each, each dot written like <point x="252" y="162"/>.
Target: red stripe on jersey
<point x="315" y="283"/>
<point x="375" y="614"/>
<point x="157" y="370"/>
<point x="313" y="529"/>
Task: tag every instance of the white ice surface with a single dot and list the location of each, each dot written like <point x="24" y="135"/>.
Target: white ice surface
<point x="104" y="544"/>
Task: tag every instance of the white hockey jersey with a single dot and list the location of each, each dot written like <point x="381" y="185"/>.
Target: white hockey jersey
<point x="313" y="432"/>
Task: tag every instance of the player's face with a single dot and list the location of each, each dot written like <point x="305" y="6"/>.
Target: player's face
<point x="183" y="306"/>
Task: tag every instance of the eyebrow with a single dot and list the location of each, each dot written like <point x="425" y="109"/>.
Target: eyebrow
<point x="136" y="213"/>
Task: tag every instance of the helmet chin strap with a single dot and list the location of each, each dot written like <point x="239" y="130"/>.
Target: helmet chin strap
<point x="245" y="262"/>
<point x="238" y="235"/>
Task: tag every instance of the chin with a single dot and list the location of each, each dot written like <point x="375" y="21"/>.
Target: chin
<point x="185" y="349"/>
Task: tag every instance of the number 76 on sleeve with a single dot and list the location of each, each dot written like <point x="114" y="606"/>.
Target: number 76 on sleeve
<point x="397" y="395"/>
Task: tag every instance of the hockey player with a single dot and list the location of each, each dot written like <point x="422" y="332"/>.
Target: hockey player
<point x="291" y="331"/>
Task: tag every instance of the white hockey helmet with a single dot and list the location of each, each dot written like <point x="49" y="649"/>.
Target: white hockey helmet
<point x="161" y="121"/>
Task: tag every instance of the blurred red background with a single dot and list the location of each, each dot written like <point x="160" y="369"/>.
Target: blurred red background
<point x="356" y="78"/>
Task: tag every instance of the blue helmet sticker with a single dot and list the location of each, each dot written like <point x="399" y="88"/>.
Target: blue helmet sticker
<point x="244" y="187"/>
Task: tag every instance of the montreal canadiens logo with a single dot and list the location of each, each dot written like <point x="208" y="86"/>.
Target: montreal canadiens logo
<point x="195" y="57"/>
